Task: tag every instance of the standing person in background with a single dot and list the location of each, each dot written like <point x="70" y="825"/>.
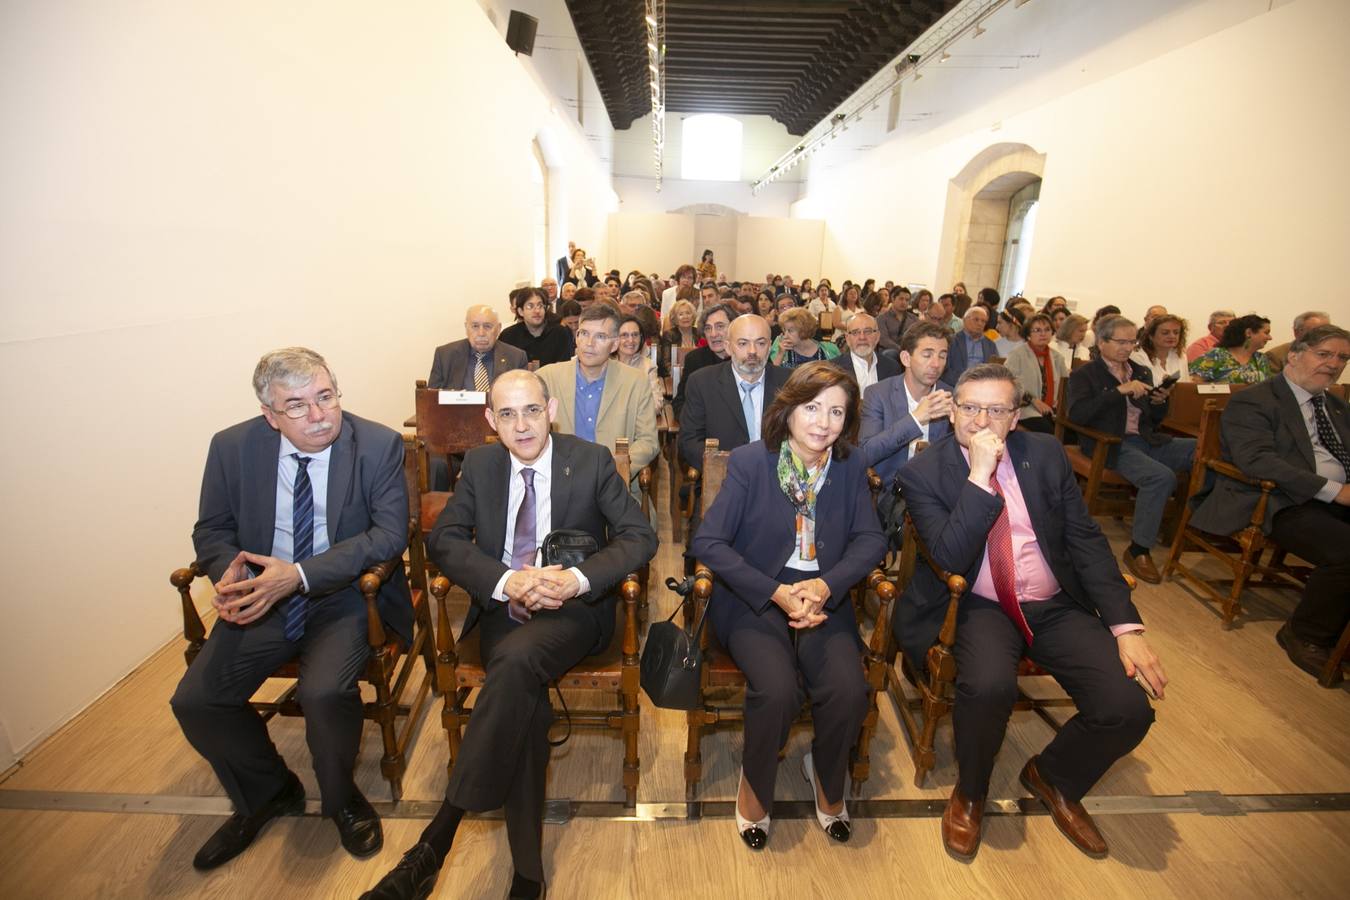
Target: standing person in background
<point x="707" y="268"/>
<point x="582" y="271"/>
<point x="565" y="262"/>
<point x="1238" y="358"/>
<point x="1218" y="321"/>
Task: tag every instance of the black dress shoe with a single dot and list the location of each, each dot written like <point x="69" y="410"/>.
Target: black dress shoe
<point x="239" y="830"/>
<point x="513" y="894"/>
<point x="1311" y="658"/>
<point x="412" y="879"/>
<point x="359" y="826"/>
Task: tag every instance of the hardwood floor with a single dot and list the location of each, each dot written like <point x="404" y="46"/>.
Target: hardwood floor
<point x="1238" y="719"/>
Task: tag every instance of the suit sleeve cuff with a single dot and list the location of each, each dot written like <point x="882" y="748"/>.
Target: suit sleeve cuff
<point x="583" y="582"/>
<point x="499" y="592"/>
<point x="1127" y="628"/>
<point x="1329" y="491"/>
<point x="304" y="581"/>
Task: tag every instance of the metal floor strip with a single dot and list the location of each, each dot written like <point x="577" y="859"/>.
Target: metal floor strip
<point x="560" y="812"/>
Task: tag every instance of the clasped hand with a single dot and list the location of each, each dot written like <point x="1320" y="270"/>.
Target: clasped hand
<point x="804" y="602"/>
<point x="531" y="589"/>
<point x="241" y="600"/>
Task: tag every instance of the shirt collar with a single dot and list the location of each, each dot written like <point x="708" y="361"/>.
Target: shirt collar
<point x="287" y="448"/>
<point x="581" y="376"/>
<point x="1300" y="394"/>
<point x="741" y="381"/>
<point x="542" y="465"/>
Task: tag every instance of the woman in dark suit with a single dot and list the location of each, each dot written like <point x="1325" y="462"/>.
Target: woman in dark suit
<point x="792" y="529"/>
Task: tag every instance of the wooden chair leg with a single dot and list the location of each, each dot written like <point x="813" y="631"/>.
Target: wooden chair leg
<point x="925" y="759"/>
<point x="1332" y="673"/>
<point x="693" y="754"/>
<point x="392" y="764"/>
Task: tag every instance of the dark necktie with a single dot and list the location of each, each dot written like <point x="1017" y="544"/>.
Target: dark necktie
<point x="480" y="375"/>
<point x="524" y="543"/>
<point x="302" y="532"/>
<point x="1327" y="434"/>
<point x="1001" y="565"/>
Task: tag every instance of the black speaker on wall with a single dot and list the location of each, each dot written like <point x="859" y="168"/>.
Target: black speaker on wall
<point x="520" y="29"/>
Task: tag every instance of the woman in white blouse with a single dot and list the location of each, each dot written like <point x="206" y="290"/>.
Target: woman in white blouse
<point x="1162" y="348"/>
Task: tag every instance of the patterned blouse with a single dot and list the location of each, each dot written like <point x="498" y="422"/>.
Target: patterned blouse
<point x="1218" y="366"/>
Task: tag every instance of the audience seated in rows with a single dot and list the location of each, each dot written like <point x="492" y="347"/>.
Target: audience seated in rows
<point x="1039" y="371"/>
<point x="542" y="338"/>
<point x="714" y="324"/>
<point x="969" y="347"/>
<point x="861" y="359"/>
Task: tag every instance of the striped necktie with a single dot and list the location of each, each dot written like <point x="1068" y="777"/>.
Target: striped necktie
<point x="302" y="531"/>
<point x="480" y="374"/>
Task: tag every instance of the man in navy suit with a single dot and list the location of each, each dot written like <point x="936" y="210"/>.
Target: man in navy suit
<point x="862" y="360"/>
<point x="969" y="347"/>
<point x="295" y="505"/>
<point x="897" y="412"/>
<point x="471" y="364"/>
<point x="1001" y="508"/>
<point x="537" y="622"/>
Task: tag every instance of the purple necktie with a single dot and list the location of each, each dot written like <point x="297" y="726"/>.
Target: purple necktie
<point x="524" y="544"/>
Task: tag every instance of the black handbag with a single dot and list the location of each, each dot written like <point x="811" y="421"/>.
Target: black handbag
<point x="569" y="548"/>
<point x="672" y="660"/>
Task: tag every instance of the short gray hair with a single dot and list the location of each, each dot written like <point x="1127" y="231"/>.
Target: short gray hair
<point x="1302" y="318"/>
<point x="988" y="372"/>
<point x="1219" y="314"/>
<point x="290" y="367"/>
<point x="1107" y="327"/>
<point x="1317" y="335"/>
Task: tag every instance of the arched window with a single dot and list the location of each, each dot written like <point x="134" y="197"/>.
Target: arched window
<point x="710" y="148"/>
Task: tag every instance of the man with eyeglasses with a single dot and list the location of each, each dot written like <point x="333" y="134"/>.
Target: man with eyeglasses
<point x="714" y="324"/>
<point x="295" y="505"/>
<point x="471" y="364"/>
<point x="862" y="360"/>
<point x="536" y="622"/>
<point x="1002" y="509"/>
<point x="543" y="341"/>
<point x="599" y="398"/>
<point x="1293" y="431"/>
<point x="1116" y="395"/>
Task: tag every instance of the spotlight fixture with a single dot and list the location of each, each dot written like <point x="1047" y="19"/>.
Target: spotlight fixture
<point x="656" y="63"/>
<point x="944" y="57"/>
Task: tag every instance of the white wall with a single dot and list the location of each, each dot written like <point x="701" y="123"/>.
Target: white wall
<point x="641" y="195"/>
<point x="183" y="187"/>
<point x="1201" y="173"/>
<point x="650" y="242"/>
<point x="791" y="246"/>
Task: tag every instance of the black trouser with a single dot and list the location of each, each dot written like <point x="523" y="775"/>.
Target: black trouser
<point x="782" y="668"/>
<point x="1320" y="533"/>
<point x="212" y="700"/>
<point x="1074" y="647"/>
<point x="503" y="759"/>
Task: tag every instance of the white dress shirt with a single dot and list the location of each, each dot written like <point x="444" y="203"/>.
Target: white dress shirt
<point x="283" y="532"/>
<point x="913" y="405"/>
<point x="865" y="370"/>
<point x="1175" y="364"/>
<point x="1328" y="466"/>
<point x="543" y="514"/>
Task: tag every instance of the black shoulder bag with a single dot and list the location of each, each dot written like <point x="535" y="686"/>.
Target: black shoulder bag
<point x="672" y="660"/>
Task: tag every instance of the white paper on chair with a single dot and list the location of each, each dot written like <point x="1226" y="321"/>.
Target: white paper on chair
<point x="461" y="398"/>
<point x="1212" y="389"/>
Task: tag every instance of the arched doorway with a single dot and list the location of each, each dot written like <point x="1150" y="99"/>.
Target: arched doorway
<point x="991" y="214"/>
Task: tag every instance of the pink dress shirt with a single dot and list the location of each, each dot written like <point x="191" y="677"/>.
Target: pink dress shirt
<point x="1034" y="581"/>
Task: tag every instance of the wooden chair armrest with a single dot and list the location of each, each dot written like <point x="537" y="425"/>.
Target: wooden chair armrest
<point x="445" y="638"/>
<point x="1228" y="470"/>
<point x="873" y="482"/>
<point x="371" y="581"/>
<point x="886" y="594"/>
<point x="645" y="479"/>
<point x="692" y="475"/>
<point x="193" y="629"/>
<point x="956" y="587"/>
<point x="631" y="591"/>
<point x="1100" y="437"/>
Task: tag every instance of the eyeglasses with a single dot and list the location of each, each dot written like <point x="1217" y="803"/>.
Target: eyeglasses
<point x="529" y="413"/>
<point x="1325" y="355"/>
<point x="996" y="413"/>
<point x="1124" y="342"/>
<point x="598" y="337"/>
<point x="853" y="331"/>
<point x="298" y="409"/>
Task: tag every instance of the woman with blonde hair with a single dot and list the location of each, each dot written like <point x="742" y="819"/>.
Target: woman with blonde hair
<point x="797" y="344"/>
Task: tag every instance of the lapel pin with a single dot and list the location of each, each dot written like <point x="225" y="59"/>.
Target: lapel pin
<point x="567" y="470"/>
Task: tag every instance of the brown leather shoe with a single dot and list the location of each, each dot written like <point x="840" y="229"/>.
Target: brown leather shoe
<point x="1311" y="658"/>
<point x="961" y="826"/>
<point x="1073" y="820"/>
<point x="1141" y="566"/>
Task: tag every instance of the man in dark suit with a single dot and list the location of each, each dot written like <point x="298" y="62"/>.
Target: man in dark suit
<point x="727" y="401"/>
<point x="564" y="264"/>
<point x="536" y="622"/>
<point x="1001" y="508"/>
<point x="1116" y="395"/>
<point x="896" y="412"/>
<point x="969" y="347"/>
<point x="714" y="323"/>
<point x="1292" y="431"/>
<point x="895" y="320"/>
<point x="861" y="360"/>
<point x="471" y="364"/>
<point x="295" y="505"/>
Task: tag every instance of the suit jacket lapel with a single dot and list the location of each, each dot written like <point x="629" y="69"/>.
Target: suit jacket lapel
<point x="1292" y="417"/>
<point x="566" y="394"/>
<point x="609" y="393"/>
<point x="341" y="465"/>
<point x="1029" y="483"/>
<point x="561" y="490"/>
<point x="491" y="511"/>
<point x="263" y="460"/>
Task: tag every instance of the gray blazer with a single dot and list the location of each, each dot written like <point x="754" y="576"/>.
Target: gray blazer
<point x="450" y="365"/>
<point x="367" y="509"/>
<point x="1026" y="368"/>
<point x="888" y="429"/>
<point x="1264" y="434"/>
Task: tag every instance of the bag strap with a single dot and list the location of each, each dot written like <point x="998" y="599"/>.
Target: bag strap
<point x="684" y="589"/>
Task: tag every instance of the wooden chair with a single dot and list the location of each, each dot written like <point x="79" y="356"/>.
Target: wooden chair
<point x="1240" y="551"/>
<point x="1106" y="491"/>
<point x="721" y="679"/>
<point x="460" y="669"/>
<point x="389" y="670"/>
<point x="921" y="715"/>
<point x="444" y="430"/>
<point x="1332" y="671"/>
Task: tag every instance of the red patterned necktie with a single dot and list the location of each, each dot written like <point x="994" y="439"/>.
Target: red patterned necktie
<point x="1001" y="564"/>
